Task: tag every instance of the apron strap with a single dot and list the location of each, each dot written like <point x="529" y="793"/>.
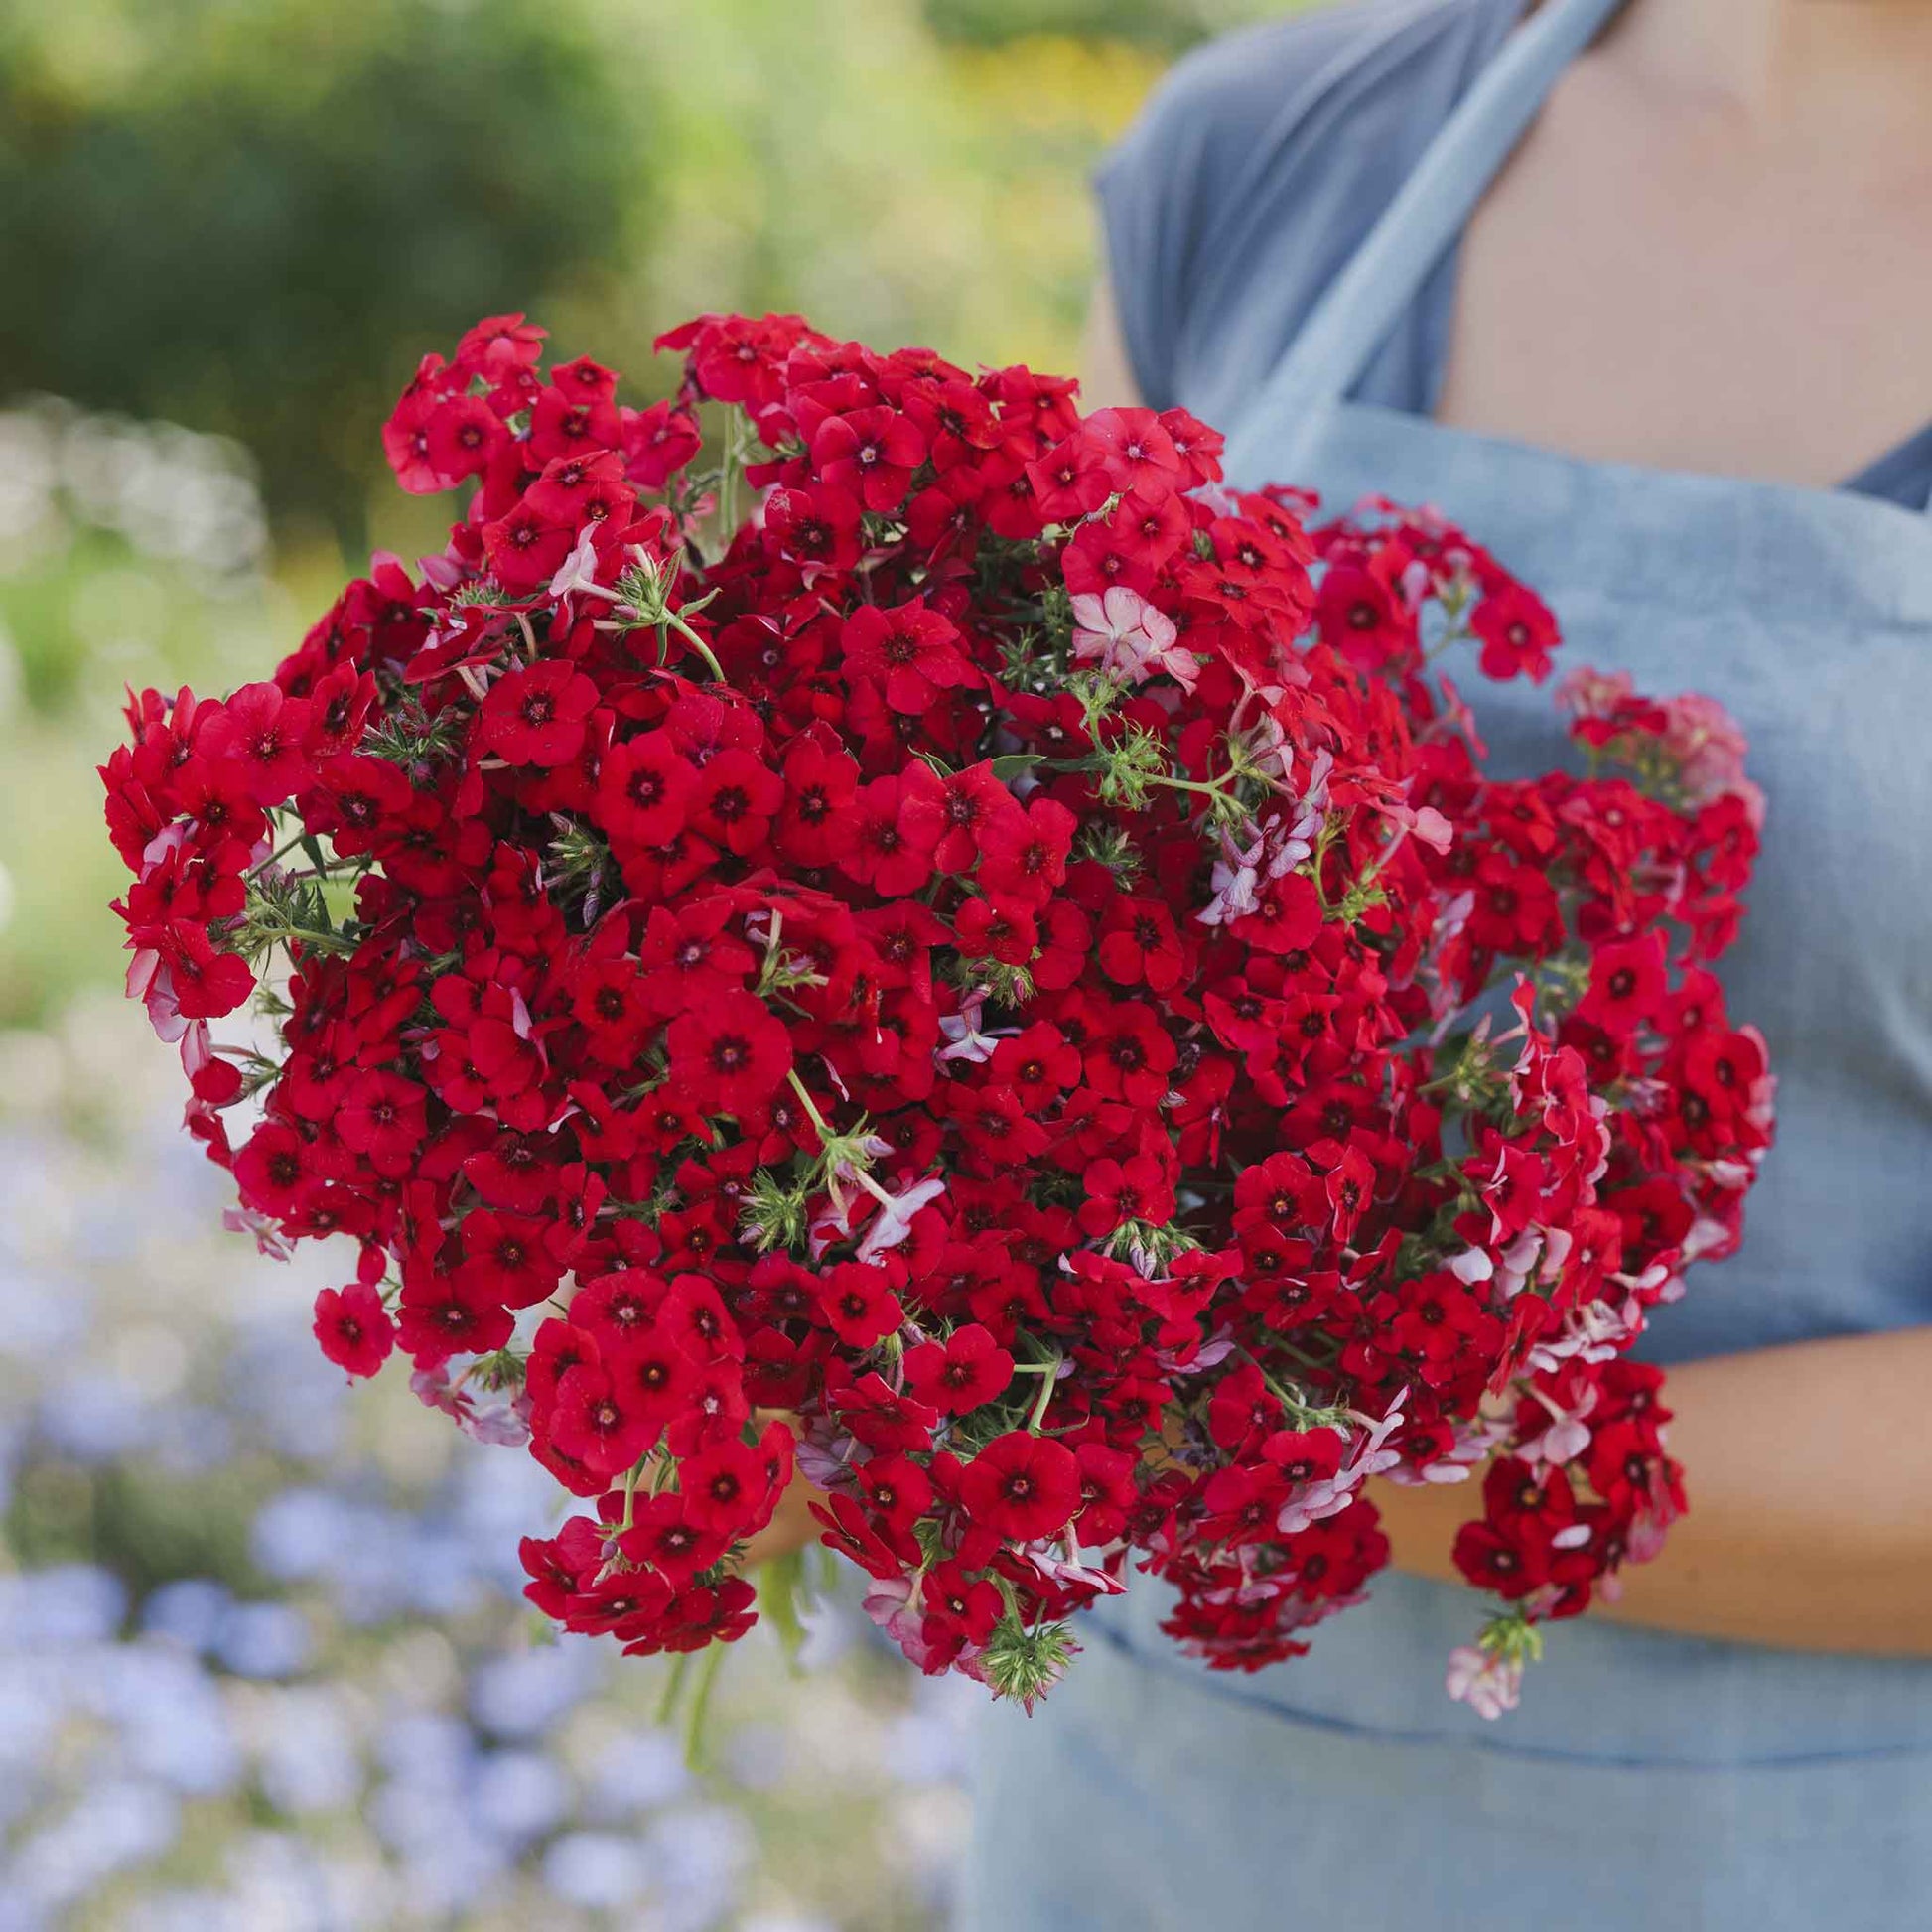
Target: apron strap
<point x="1363" y="303"/>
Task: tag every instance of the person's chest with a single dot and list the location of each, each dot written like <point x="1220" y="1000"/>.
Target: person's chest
<point x="1637" y="290"/>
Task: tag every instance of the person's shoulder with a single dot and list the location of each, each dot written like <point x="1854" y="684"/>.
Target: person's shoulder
<point x="1254" y="81"/>
<point x="1330" y="92"/>
<point x="1264" y="156"/>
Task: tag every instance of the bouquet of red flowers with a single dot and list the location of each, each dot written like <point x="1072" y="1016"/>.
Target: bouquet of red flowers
<point x="859" y="920"/>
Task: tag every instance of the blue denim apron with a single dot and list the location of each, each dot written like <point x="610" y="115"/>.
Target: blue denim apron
<point x="1673" y="1783"/>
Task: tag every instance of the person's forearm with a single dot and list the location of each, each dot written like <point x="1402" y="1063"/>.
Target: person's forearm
<point x="1809" y="1472"/>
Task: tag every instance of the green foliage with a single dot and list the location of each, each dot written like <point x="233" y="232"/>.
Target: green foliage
<point x="253" y="219"/>
<point x="252" y="216"/>
<point x="156" y="1527"/>
<point x="1168" y="24"/>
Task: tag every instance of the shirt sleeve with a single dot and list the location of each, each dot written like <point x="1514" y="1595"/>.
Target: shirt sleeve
<point x="1256" y="167"/>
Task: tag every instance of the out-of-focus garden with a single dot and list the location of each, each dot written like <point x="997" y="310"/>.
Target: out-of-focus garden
<point x="263" y="1663"/>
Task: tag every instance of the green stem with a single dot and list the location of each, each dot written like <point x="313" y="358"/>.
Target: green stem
<point x="694" y="1740"/>
<point x="697" y="643"/>
<point x="872" y="1187"/>
<point x="1048" y="1385"/>
<point x="728" y="480"/>
<point x="780" y="1582"/>
<point x="811" y="1106"/>
<point x="1212" y="788"/>
<point x="323" y="941"/>
<point x="275" y="857"/>
<point x="1302" y="1356"/>
<point x="674" y="1686"/>
<point x="629" y="1499"/>
<point x="1301" y="1410"/>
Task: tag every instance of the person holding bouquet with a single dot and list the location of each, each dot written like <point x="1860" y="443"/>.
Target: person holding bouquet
<point x="860" y="920"/>
<point x="1637" y="291"/>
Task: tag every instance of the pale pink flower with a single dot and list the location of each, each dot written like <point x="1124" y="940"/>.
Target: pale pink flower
<point x="1591" y="1333"/>
<point x="892" y="1603"/>
<point x="1589" y="693"/>
<point x="1488" y="1684"/>
<point x="1518" y="1262"/>
<point x="1566" y="1437"/>
<point x="964" y="1041"/>
<point x="269" y="1239"/>
<point x="1709" y="747"/>
<point x="823" y="1453"/>
<point x="502" y="1425"/>
<point x="893" y="1221"/>
<point x="1236" y="882"/>
<point x="1319" y="1502"/>
<point x="1433" y="829"/>
<point x="1210" y="1354"/>
<point x="1370" y="1456"/>
<point x="842" y="1184"/>
<point x="1129" y="638"/>
<point x="578" y="572"/>
<point x="442" y="572"/>
<point x="1055" y="1568"/>
<point x="433" y="1388"/>
<point x="150" y="982"/>
<point x="1644" y="1540"/>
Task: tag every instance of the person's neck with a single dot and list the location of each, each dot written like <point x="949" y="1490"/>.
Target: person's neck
<point x="1808" y="69"/>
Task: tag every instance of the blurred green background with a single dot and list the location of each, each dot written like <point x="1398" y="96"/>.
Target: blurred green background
<point x="247" y="218"/>
<point x="262" y="1663"/>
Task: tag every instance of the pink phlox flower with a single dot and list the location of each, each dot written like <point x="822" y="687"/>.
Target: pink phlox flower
<point x="1488" y="1684"/>
<point x="434" y="1389"/>
<point x="892" y="1603"/>
<point x="269" y="1239"/>
<point x="576" y="575"/>
<point x="1069" y="1571"/>
<point x="503" y="1425"/>
<point x="964" y="1040"/>
<point x="1566" y="1437"/>
<point x="823" y="1454"/>
<point x="1236" y="882"/>
<point x="150" y="982"/>
<point x="893" y="1221"/>
<point x="1210" y="1354"/>
<point x="1592" y="1332"/>
<point x="1129" y="638"/>
<point x="1518" y="1262"/>
<point x="1422" y="822"/>
<point x="1330" y="1495"/>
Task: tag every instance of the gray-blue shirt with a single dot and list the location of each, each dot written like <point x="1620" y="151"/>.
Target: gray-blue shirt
<point x="1650" y="1779"/>
<point x="1259" y="166"/>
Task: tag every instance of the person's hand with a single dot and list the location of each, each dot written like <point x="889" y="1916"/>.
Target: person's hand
<point x="1808" y="1466"/>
